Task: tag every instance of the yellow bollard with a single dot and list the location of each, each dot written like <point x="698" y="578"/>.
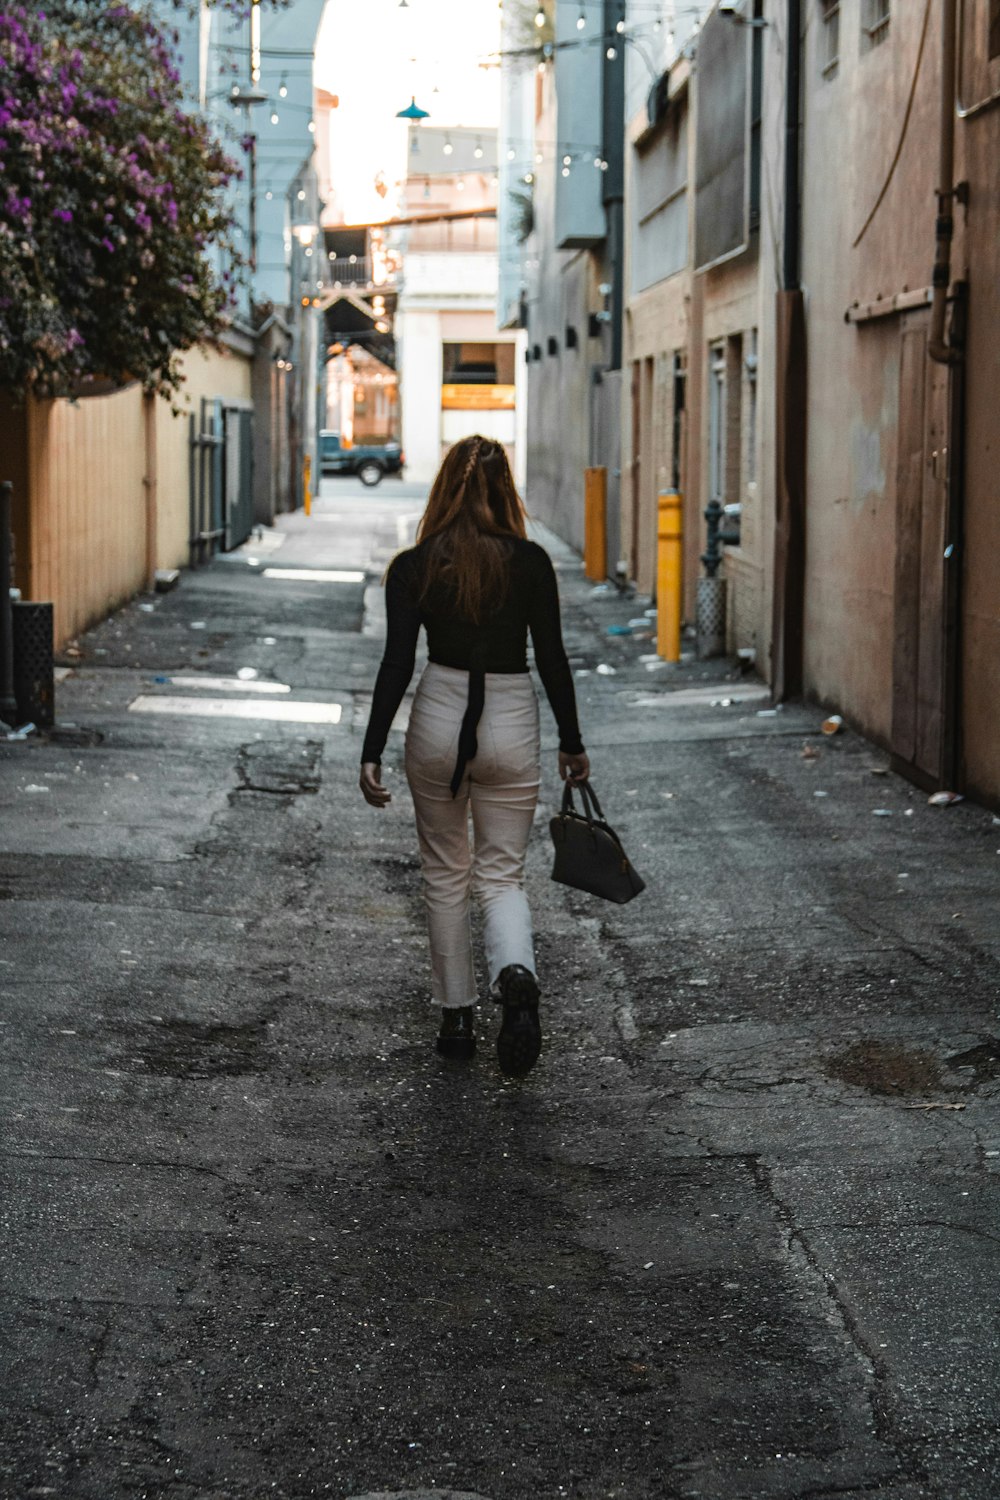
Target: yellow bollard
<point x="595" y="524"/>
<point x="307" y="499"/>
<point x="669" y="576"/>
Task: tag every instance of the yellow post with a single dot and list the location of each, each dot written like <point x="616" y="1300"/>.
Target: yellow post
<point x="669" y="576"/>
<point x="595" y="524"/>
<point x="307" y="499"/>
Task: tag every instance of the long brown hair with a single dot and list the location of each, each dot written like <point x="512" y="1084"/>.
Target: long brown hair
<point x="472" y="514"/>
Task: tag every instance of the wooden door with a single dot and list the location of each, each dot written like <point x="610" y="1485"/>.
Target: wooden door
<point x="920" y="694"/>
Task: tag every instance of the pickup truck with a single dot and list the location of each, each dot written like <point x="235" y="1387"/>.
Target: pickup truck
<point x="369" y="464"/>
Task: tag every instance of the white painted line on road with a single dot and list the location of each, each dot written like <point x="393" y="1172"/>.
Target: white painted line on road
<point x="315" y="575"/>
<point x="691" y="697"/>
<point x="230" y="685"/>
<point x="238" y="708"/>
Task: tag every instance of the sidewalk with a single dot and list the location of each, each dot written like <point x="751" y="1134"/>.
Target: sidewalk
<point x="735" y="1237"/>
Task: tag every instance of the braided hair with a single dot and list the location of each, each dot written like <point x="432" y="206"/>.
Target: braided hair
<point x="473" y="514"/>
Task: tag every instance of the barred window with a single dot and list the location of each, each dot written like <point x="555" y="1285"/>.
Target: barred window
<point x="829" y="36"/>
<point x="875" y="21"/>
<point x="829" y="42"/>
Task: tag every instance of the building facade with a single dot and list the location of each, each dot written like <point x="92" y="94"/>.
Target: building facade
<point x="457" y="368"/>
<point x="810" y="333"/>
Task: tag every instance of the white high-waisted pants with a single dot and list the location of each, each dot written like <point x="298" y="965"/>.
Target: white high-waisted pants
<point x="500" y="787"/>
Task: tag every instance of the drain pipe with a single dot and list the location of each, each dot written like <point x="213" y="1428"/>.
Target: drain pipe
<point x="937" y="346"/>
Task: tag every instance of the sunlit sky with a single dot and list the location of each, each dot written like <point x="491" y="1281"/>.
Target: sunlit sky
<point x="376" y="54"/>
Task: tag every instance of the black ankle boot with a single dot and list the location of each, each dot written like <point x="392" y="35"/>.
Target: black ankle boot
<point x="456" y="1037"/>
<point x="519" y="1040"/>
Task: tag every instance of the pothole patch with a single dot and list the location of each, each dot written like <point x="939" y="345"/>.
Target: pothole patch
<point x="277" y="767"/>
<point x="886" y="1068"/>
<point x="189" y="1049"/>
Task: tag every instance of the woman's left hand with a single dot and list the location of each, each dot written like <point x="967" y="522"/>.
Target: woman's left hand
<point x="375" y="794"/>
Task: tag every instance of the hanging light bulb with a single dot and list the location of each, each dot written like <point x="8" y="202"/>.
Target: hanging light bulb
<point x="529" y="177"/>
<point x="510" y="153"/>
<point x="539" y="17"/>
<point x="538" y="158"/>
<point x="460" y="185"/>
<point x="274" y="117"/>
<point x="581" y="21"/>
<point x="611" y="54"/>
<point x="567" y="160"/>
<point x="565" y="171"/>
<point x="447" y="148"/>
<point x="479" y="148"/>
<point x="620" y="27"/>
<point x="283" y="88"/>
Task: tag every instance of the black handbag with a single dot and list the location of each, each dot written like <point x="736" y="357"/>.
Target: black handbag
<point x="588" y="853"/>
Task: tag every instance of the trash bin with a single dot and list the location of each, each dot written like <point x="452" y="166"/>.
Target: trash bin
<point x="34" y="667"/>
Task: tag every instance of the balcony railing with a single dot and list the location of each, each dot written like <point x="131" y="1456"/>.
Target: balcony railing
<point x="355" y="271"/>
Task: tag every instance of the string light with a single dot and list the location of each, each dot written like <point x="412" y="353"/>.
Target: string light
<point x="620" y="27"/>
<point x="611" y="54"/>
<point x="565" y="171"/>
<point x="283" y="88"/>
<point x="567" y="160"/>
<point x="447" y="148"/>
<point x="479" y="148"/>
<point x="581" y="21"/>
<point x="274" y="117"/>
<point x="539" y="17"/>
<point x="511" y="154"/>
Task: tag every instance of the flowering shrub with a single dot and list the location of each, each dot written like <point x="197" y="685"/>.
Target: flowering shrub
<point x="109" y="193"/>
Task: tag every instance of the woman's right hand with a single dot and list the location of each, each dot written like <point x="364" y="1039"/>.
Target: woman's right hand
<point x="375" y="794"/>
<point x="574" y="768"/>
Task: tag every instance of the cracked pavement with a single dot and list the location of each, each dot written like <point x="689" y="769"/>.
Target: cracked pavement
<point x="734" y="1238"/>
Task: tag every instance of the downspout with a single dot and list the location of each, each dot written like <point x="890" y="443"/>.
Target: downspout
<point x="791" y="410"/>
<point x="613" y="185"/>
<point x="937" y="346"/>
<point x="791" y="250"/>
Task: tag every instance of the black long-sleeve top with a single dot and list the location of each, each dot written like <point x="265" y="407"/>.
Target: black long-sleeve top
<point x="499" y="644"/>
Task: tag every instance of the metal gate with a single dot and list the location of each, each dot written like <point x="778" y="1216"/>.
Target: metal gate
<point x="220" y="478"/>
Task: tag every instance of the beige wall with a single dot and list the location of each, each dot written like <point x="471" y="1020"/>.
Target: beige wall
<point x="88" y="508"/>
<point x="689" y="312"/>
<point x="852" y="127"/>
<point x="978" y="256"/>
<point x="851" y="131"/>
<point x="101" y="489"/>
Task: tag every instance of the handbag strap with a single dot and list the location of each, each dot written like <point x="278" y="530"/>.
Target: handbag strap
<point x="588" y="798"/>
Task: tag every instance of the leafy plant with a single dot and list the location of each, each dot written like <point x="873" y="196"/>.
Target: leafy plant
<point x="110" y="193"/>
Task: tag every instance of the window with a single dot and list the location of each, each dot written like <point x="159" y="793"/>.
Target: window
<point x="660" y="207"/>
<point x="829" y="42"/>
<point x="994" y="29"/>
<point x="875" y="21"/>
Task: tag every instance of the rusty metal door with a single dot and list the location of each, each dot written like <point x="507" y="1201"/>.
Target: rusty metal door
<point x="920" y="688"/>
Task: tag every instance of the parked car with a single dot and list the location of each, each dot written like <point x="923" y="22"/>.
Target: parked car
<point x="368" y="463"/>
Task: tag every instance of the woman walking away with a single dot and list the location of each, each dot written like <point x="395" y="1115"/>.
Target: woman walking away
<point x="478" y="586"/>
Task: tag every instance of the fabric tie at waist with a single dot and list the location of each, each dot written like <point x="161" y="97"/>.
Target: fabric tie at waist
<point x="468" y="744"/>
